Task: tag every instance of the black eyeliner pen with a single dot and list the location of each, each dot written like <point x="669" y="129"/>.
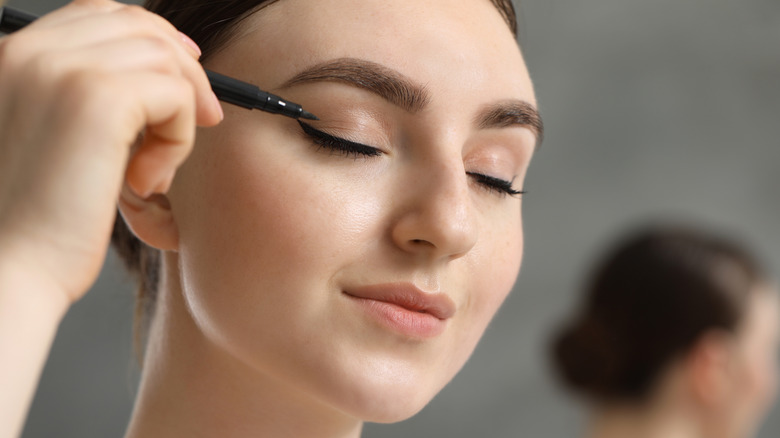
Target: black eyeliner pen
<point x="226" y="88"/>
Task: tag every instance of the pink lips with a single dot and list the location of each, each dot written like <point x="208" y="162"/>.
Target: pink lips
<point x="404" y="308"/>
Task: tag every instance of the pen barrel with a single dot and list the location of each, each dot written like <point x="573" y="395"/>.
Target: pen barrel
<point x="12" y="20"/>
<point x="233" y="91"/>
<point x="249" y="96"/>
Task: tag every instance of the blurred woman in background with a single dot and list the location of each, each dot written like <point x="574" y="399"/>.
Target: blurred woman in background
<point x="677" y="336"/>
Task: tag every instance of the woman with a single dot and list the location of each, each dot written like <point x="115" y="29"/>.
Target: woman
<point x="677" y="336"/>
<point x="298" y="279"/>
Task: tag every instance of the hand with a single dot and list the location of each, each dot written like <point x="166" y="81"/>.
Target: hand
<point x="76" y="88"/>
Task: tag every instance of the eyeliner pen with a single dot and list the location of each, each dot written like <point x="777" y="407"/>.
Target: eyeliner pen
<point x="226" y="88"/>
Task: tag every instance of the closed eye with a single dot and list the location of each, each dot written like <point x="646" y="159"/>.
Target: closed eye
<point x="498" y="185"/>
<point x="358" y="150"/>
<point x="339" y="145"/>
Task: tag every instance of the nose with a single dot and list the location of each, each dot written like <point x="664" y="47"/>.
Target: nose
<point x="435" y="216"/>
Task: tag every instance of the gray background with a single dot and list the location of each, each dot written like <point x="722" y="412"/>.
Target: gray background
<point x="654" y="108"/>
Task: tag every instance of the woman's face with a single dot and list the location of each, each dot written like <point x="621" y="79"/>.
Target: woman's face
<point x="755" y="371"/>
<point x="362" y="274"/>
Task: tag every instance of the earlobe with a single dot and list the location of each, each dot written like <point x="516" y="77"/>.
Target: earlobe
<point x="150" y="219"/>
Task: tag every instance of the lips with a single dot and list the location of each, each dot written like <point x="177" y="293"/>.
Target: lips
<point x="404" y="308"/>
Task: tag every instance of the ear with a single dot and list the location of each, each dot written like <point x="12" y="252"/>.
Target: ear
<point x="150" y="219"/>
<point x="709" y="367"/>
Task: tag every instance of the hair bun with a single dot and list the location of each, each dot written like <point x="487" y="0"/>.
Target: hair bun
<point x="585" y="359"/>
<point x="649" y="300"/>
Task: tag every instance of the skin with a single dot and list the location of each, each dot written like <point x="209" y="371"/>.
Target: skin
<point x="721" y="389"/>
<point x="263" y="231"/>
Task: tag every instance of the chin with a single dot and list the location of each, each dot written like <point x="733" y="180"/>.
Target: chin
<point x="391" y="408"/>
<point x="385" y="395"/>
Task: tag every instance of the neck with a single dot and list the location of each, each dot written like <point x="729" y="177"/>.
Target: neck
<point x="192" y="387"/>
<point x="642" y="421"/>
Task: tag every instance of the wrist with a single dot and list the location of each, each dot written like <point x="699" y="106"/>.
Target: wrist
<point x="31" y="309"/>
<point x="26" y="288"/>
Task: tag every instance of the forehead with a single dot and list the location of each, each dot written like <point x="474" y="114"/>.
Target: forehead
<point x="439" y="43"/>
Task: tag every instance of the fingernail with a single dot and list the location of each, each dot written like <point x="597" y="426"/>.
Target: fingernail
<point x="188" y="41"/>
<point x="219" y="107"/>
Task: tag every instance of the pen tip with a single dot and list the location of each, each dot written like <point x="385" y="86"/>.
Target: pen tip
<point x="307" y="115"/>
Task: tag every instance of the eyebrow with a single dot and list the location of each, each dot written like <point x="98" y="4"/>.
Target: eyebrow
<point x="412" y="97"/>
<point x="388" y="84"/>
<point x="513" y="113"/>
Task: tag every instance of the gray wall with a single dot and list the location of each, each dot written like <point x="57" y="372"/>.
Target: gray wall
<point x="654" y="108"/>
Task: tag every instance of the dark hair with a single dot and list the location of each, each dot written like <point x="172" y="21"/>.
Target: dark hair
<point x="648" y="303"/>
<point x="211" y="24"/>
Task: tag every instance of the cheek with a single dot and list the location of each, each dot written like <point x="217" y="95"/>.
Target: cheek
<point x="494" y="264"/>
<point x="497" y="258"/>
<point x="762" y="380"/>
<point x="261" y="238"/>
<point x="755" y="387"/>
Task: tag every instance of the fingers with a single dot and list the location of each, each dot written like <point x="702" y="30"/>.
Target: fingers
<point x="92" y="24"/>
<point x="169" y="136"/>
<point x="160" y="104"/>
<point x="75" y="9"/>
<point x="126" y="66"/>
<point x="145" y="54"/>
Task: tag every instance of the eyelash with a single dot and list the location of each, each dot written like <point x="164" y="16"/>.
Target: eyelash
<point x="501" y="186"/>
<point x="357" y="150"/>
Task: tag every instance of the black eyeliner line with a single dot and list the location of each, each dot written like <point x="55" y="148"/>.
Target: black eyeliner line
<point x="354" y="147"/>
